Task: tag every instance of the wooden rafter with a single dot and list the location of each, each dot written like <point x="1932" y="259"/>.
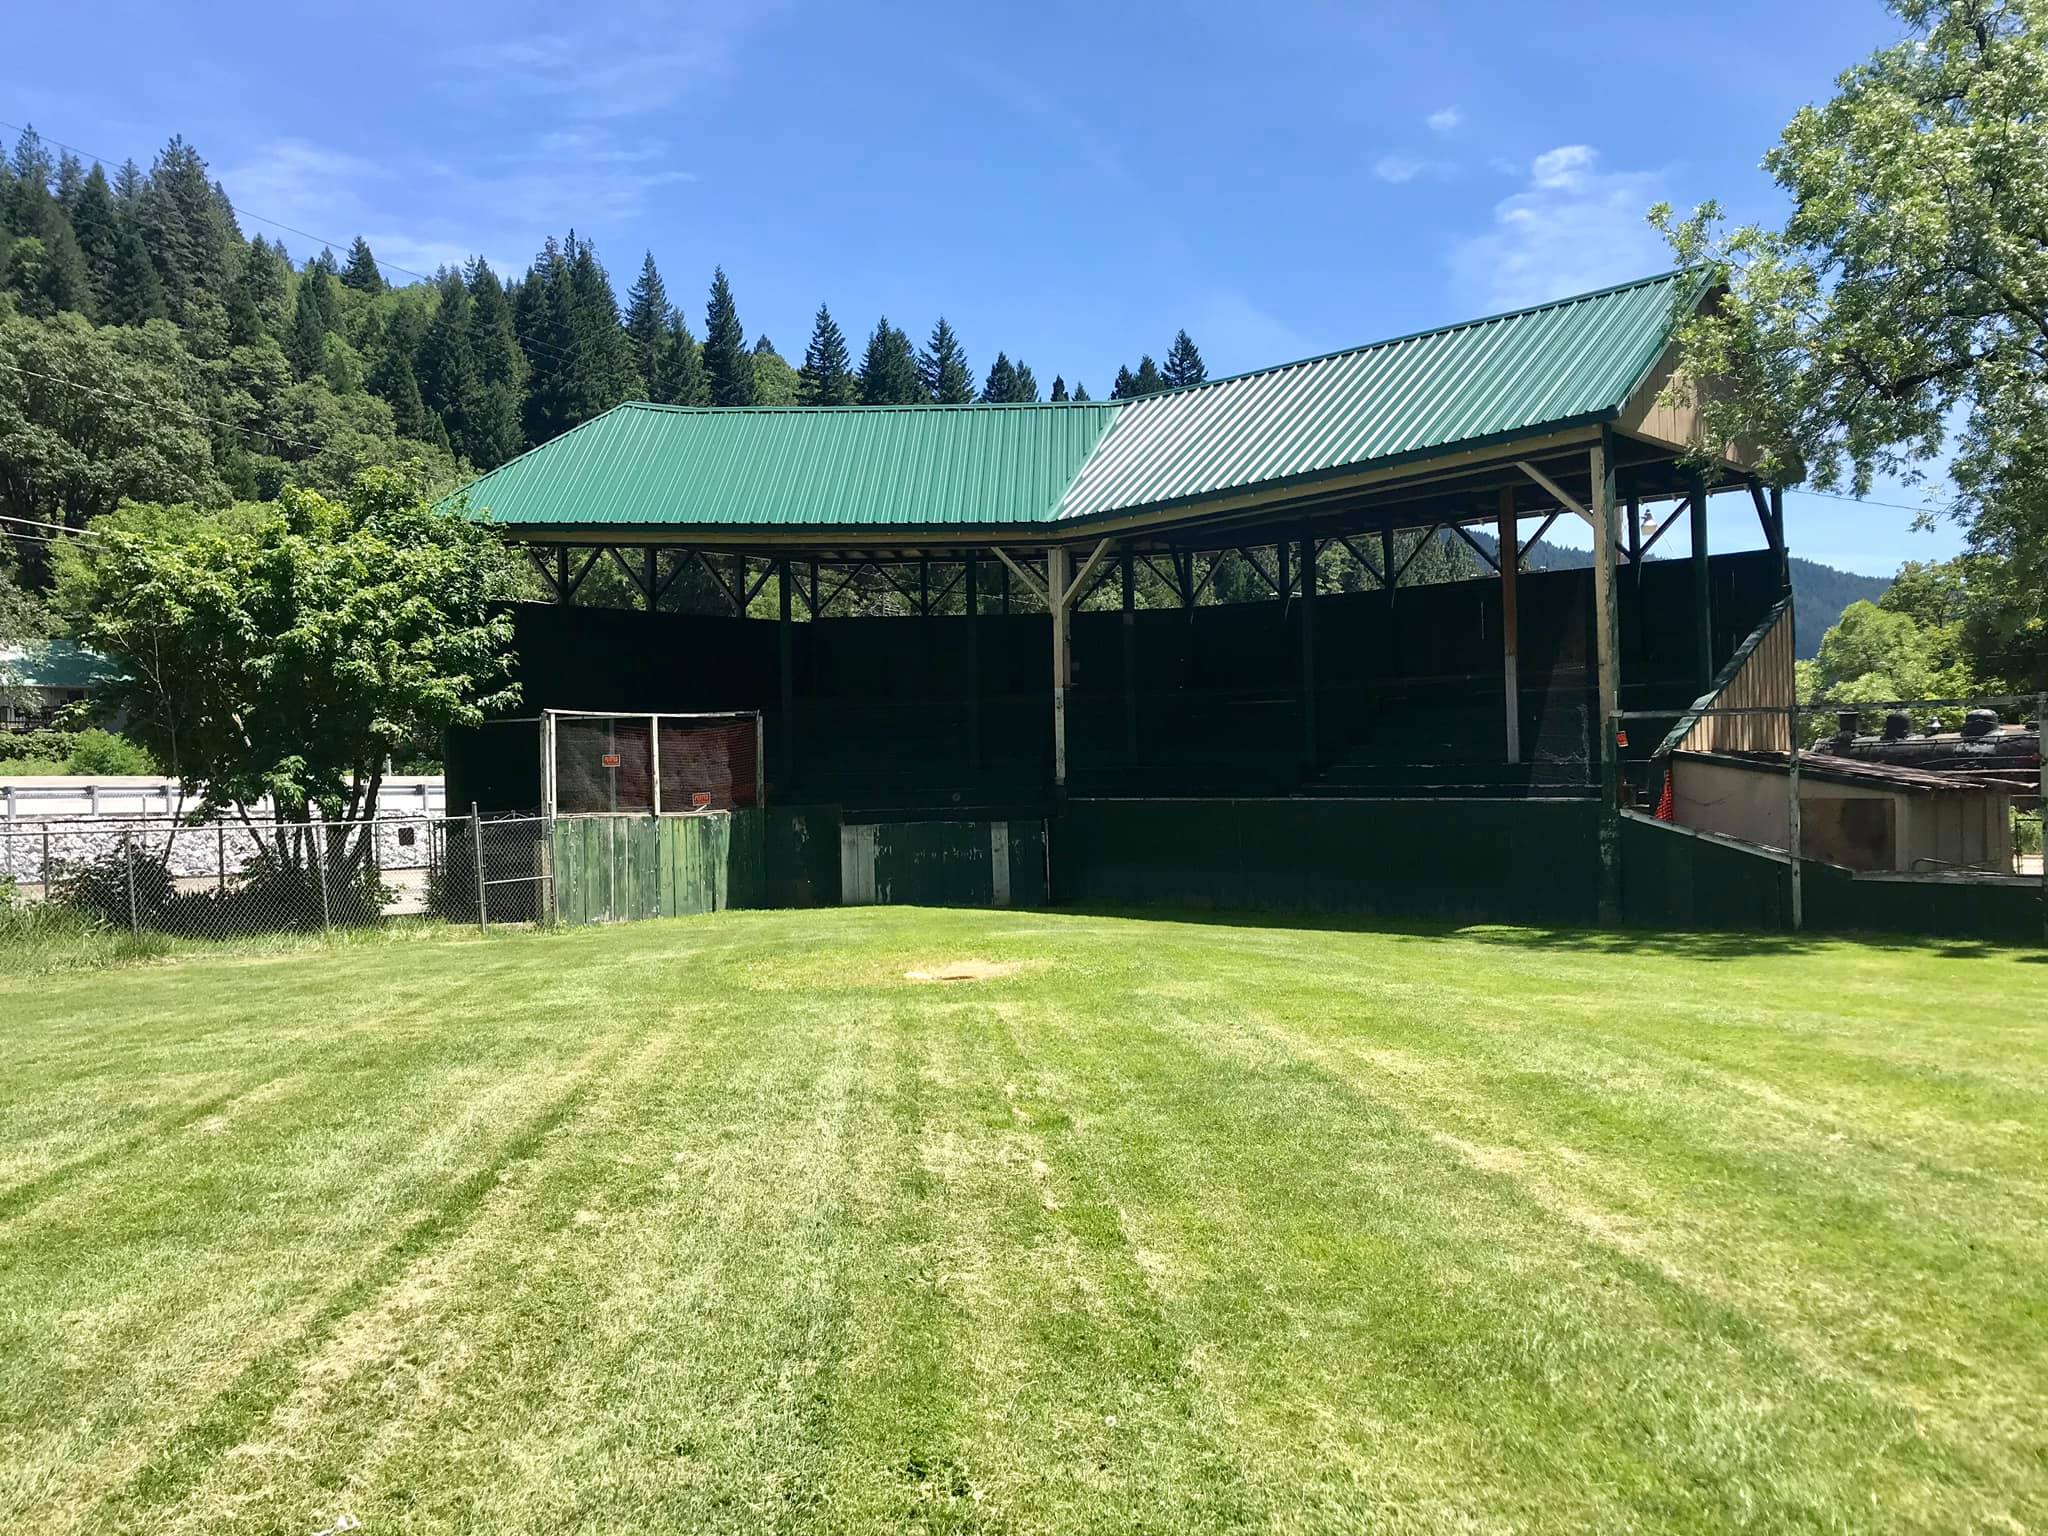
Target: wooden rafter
<point x="1474" y="545"/>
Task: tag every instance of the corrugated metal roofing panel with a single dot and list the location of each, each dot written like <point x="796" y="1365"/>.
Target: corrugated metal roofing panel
<point x="1568" y="361"/>
<point x="991" y="465"/>
<point x="922" y="466"/>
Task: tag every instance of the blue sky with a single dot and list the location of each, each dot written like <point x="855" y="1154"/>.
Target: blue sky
<point x="1067" y="182"/>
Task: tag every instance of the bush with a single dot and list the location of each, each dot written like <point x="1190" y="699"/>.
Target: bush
<point x="99" y="889"/>
<point x="90" y="751"/>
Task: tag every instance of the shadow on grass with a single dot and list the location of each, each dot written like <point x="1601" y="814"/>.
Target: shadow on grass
<point x="1683" y="943"/>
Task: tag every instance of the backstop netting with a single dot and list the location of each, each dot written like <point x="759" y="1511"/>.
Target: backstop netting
<point x="650" y="765"/>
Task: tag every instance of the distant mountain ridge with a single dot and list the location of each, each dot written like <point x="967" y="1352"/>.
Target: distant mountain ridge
<point x="1819" y="592"/>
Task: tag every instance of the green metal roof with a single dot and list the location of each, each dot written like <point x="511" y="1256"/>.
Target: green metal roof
<point x="924" y="466"/>
<point x="1571" y="361"/>
<point x="1564" y="363"/>
<point x="52" y="664"/>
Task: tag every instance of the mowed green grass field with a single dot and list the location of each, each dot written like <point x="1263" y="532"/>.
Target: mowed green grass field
<point x="724" y="1224"/>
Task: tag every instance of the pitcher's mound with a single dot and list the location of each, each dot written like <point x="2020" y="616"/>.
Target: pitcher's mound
<point x="965" y="970"/>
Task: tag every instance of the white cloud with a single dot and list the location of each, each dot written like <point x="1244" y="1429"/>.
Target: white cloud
<point x="1444" y="119"/>
<point x="1571" y="228"/>
<point x="617" y="66"/>
<point x="1398" y="168"/>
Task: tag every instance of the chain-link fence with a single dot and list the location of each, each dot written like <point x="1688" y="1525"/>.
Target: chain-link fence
<point x="229" y="879"/>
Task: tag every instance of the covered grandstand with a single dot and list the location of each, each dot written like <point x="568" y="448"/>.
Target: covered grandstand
<point x="1437" y="749"/>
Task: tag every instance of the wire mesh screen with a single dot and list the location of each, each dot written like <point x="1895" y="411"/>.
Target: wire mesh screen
<point x="604" y="763"/>
<point x="709" y="765"/>
<point x="648" y="764"/>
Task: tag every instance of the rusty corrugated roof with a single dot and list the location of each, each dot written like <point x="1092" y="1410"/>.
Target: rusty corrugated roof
<point x="854" y="467"/>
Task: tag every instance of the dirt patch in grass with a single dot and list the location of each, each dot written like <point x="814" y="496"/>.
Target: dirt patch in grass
<point x="966" y="970"/>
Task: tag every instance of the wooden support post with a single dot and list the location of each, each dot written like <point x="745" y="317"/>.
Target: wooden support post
<point x="561" y="573"/>
<point x="1127" y="568"/>
<point x="1056" y="562"/>
<point x="2040" y="804"/>
<point x="1306" y="565"/>
<point x="1792" y="827"/>
<point x="739" y="586"/>
<point x="814" y="590"/>
<point x="1635" y="538"/>
<point x="785" y="658"/>
<point x="970" y="581"/>
<point x="1507" y="535"/>
<point x="1286" y="582"/>
<point x="1777" y="537"/>
<point x="647" y="581"/>
<point x="1005" y="569"/>
<point x="1702" y="590"/>
<point x="1607" y="666"/>
<point x="924" y="587"/>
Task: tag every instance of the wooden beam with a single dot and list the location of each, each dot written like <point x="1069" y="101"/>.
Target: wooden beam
<point x="542" y="560"/>
<point x="1361" y="557"/>
<point x="1702" y="591"/>
<point x="1024" y="576"/>
<point x="1128" y="572"/>
<point x="581" y="571"/>
<point x="1557" y="492"/>
<point x="1101" y="549"/>
<point x="1475" y="546"/>
<point x="1677" y="511"/>
<point x="785" y="661"/>
<point x="970" y="578"/>
<point x="1508" y="532"/>
<point x="1536" y="537"/>
<point x="1306" y="561"/>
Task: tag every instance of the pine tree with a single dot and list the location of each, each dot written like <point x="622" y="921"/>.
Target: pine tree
<point x="98" y="228"/>
<point x="1001" y="387"/>
<point x="135" y="293"/>
<point x="446" y="365"/>
<point x="606" y="373"/>
<point x="1183" y="363"/>
<point x="491" y="431"/>
<point x="1059" y="388"/>
<point x="647" y="311"/>
<point x="1121" y="389"/>
<point x="361" y="272"/>
<point x="544" y="319"/>
<point x="728" y="367"/>
<point x="189" y="238"/>
<point x="1025" y="390"/>
<point x="1080" y="391"/>
<point x="30" y="164"/>
<point x="888" y="370"/>
<point x="679" y="373"/>
<point x="943" y="367"/>
<point x="307" y="344"/>
<point x="392" y="380"/>
<point x="1147" y="381"/>
<point x="827" y="375"/>
<point x="128" y="187"/>
<point x="70" y="181"/>
<point x="259" y="307"/>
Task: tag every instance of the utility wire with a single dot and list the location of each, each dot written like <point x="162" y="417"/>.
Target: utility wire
<point x="29" y="522"/>
<point x="560" y="355"/>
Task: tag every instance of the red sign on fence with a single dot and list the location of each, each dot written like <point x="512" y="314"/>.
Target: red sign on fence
<point x="610" y="759"/>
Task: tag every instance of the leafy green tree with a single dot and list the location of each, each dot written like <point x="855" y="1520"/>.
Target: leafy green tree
<point x="888" y="369"/>
<point x="261" y="305"/>
<point x="392" y="380"/>
<point x="647" y="317"/>
<point x="827" y="376"/>
<point x="943" y="369"/>
<point x="307" y="344"/>
<point x="43" y="281"/>
<point x="1184" y="364"/>
<point x="361" y="272"/>
<point x="97" y="227"/>
<point x="89" y="417"/>
<point x="1875" y="655"/>
<point x="728" y="365"/>
<point x="291" y="649"/>
<point x="775" y="382"/>
<point x="679" y="377"/>
<point x="1907" y="293"/>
